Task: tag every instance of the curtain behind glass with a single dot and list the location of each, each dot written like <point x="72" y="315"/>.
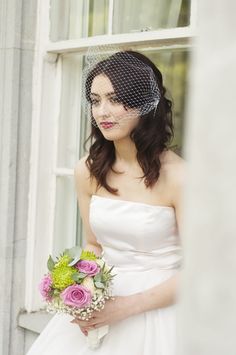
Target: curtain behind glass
<point x="98" y="17"/>
<point x="71" y="19"/>
<point x="173" y="65"/>
<point x="145" y="15"/>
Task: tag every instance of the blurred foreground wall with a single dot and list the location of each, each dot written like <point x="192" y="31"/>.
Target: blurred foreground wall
<point x="207" y="316"/>
<point x="17" y="33"/>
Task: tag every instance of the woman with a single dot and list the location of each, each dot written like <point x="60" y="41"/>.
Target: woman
<point x="129" y="194"/>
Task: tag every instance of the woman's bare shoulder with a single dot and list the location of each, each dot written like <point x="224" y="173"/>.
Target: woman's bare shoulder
<point x="81" y="166"/>
<point x="82" y="174"/>
<point x="174" y="167"/>
<point x="170" y="157"/>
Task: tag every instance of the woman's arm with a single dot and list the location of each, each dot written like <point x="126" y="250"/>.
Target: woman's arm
<point x="166" y="293"/>
<point x="83" y="188"/>
<point x="123" y="307"/>
<point x="159" y="296"/>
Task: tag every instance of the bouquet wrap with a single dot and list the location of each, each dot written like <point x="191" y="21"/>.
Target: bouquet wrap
<point x="95" y="335"/>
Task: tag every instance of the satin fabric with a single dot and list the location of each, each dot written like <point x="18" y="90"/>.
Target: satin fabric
<point x="142" y="241"/>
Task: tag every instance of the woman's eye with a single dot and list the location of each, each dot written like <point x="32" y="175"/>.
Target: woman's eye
<point x="114" y="100"/>
<point x="94" y="102"/>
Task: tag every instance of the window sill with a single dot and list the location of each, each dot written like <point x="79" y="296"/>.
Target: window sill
<point x="35" y="321"/>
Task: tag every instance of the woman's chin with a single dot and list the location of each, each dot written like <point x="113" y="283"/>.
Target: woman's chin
<point x="112" y="134"/>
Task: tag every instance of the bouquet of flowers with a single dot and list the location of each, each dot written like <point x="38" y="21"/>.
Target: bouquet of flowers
<point x="78" y="282"/>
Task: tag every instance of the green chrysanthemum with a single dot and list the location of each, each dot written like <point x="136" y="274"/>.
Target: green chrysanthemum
<point x="62" y="276"/>
<point x="88" y="255"/>
<point x="63" y="261"/>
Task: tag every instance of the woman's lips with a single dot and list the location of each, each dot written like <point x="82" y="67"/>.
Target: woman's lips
<point x="107" y="124"/>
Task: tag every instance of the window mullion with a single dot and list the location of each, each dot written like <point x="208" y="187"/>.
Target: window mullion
<point x="110" y="17"/>
<point x="57" y="98"/>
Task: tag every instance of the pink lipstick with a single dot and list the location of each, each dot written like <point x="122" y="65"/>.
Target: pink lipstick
<point x="107" y="124"/>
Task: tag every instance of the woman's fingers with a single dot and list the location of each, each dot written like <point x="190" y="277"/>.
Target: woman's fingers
<point x="85" y="324"/>
<point x="84" y="331"/>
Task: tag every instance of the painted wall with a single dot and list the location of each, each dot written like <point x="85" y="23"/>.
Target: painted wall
<point x="17" y="29"/>
<point x="208" y="310"/>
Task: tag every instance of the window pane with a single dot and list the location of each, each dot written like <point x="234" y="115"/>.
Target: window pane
<point x="72" y="130"/>
<point x="145" y="15"/>
<point x="65" y="214"/>
<point x="173" y="65"/>
<point x="98" y="17"/>
<point x="69" y="118"/>
<point x="71" y="19"/>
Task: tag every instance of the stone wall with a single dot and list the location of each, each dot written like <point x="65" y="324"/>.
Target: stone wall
<point x="17" y="33"/>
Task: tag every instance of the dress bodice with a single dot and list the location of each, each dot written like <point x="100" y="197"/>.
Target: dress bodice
<point x="136" y="235"/>
<point x="142" y="243"/>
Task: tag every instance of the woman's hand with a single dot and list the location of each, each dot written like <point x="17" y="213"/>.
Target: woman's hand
<point x="115" y="309"/>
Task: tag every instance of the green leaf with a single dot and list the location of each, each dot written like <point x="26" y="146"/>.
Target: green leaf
<point x="74" y="252"/>
<point x="78" y="276"/>
<point x="110" y="270"/>
<point x="82" y="275"/>
<point x="75" y="276"/>
<point x="74" y="261"/>
<point x="98" y="277"/>
<point x="50" y="263"/>
<point x="99" y="285"/>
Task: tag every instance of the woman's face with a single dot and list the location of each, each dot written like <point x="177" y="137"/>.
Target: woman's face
<point x="114" y="121"/>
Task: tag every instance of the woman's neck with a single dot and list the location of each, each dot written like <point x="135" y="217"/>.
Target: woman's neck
<point x="126" y="152"/>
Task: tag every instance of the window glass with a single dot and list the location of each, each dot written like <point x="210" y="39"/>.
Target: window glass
<point x="65" y="222"/>
<point x="98" y="17"/>
<point x="70" y="108"/>
<point x="149" y="15"/>
<point x="71" y="19"/>
<point x="173" y="65"/>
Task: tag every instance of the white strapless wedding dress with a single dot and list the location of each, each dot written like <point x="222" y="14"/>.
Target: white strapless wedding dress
<point x="142" y="241"/>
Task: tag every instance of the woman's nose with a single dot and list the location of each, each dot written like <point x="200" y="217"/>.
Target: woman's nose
<point x="103" y="109"/>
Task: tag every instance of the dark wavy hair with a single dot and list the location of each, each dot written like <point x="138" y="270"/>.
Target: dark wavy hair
<point x="151" y="136"/>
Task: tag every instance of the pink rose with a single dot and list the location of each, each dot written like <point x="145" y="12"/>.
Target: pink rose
<point x="45" y="287"/>
<point x="76" y="296"/>
<point x="88" y="267"/>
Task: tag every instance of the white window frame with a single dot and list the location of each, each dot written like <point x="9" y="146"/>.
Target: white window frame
<point x="46" y="99"/>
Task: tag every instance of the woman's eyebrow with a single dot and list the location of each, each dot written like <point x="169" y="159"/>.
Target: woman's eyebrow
<point x="112" y="93"/>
